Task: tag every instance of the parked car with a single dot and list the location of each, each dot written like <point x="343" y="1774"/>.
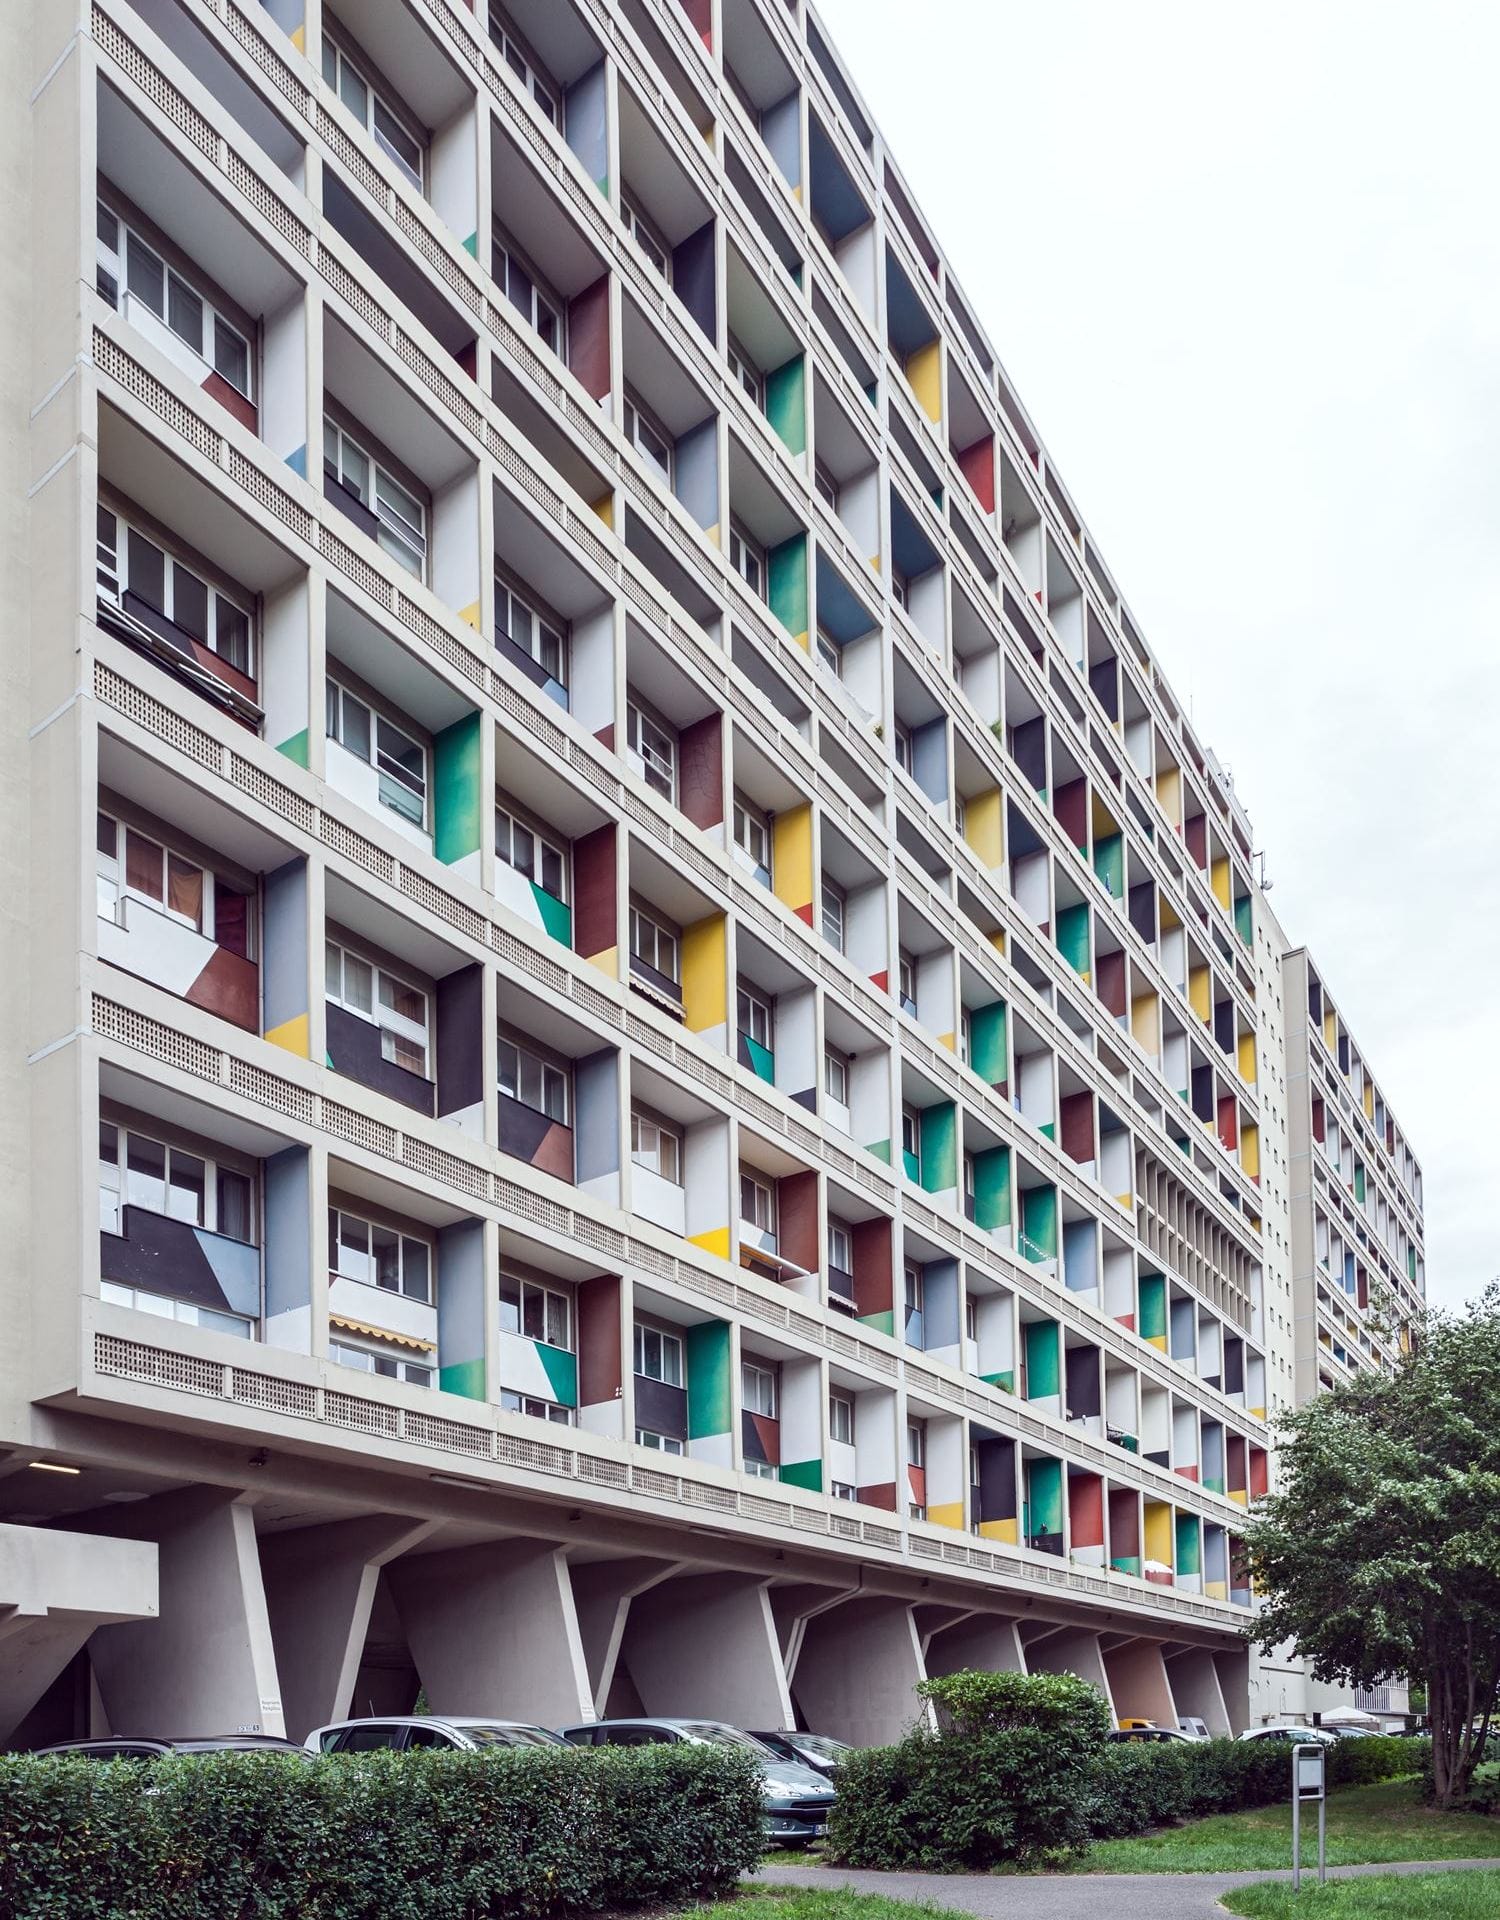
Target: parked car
<point x="1138" y="1731"/>
<point x="1303" y="1736"/>
<point x="797" y="1797"/>
<point x="820" y="1751"/>
<point x="157" y="1746"/>
<point x="1194" y="1727"/>
<point x="404" y="1731"/>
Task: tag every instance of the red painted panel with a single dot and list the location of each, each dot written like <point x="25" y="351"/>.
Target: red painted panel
<point x="1260" y="1477"/>
<point x="977" y="465"/>
<point x="1070" y="808"/>
<point x="882" y="980"/>
<point x="1165" y="1578"/>
<point x="701" y="13"/>
<point x="872" y="1266"/>
<point x="797" y="1219"/>
<point x="881" y="1494"/>
<point x="468" y="358"/>
<point x="230" y="987"/>
<point x="1076" y="1121"/>
<point x="1109" y="981"/>
<point x="1196" y="835"/>
<point x="595" y="920"/>
<point x="554" y="1152"/>
<point x="1124" y="1523"/>
<point x="916" y="1480"/>
<point x="218" y="388"/>
<point x="588" y="337"/>
<point x="599" y="1377"/>
<point x="700" y="784"/>
<point x="1086" y="1509"/>
<point x="1187" y="1473"/>
<point x="1229" y="1130"/>
<point x="1317" y="1121"/>
<point x="769" y="1434"/>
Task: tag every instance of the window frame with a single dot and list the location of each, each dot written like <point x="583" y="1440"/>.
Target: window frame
<point x="543" y="849"/>
<point x="398" y="537"/>
<point x="830" y="890"/>
<point x="375" y="96"/>
<point x="751" y="1010"/>
<point x="541" y="298"/>
<point x="762" y="1194"/>
<point x="662" y="930"/>
<point x="552" y="1411"/>
<point x="635" y="416"/>
<point x="664" y="764"/>
<point x="826" y="486"/>
<point x="749" y="822"/>
<point x="544" y="625"/>
<point x="113" y="263"/>
<point x="550" y="100"/>
<point x="642" y="1118"/>
<point x="644" y="1330"/>
<point x="215" y="1167"/>
<point x="836" y="1064"/>
<point x="656" y="1442"/>
<point x="336" y="695"/>
<point x="654" y="248"/>
<point x="550" y="1297"/>
<point x="113" y="577"/>
<point x="845" y="1232"/>
<point x="549" y="1072"/>
<point x="844" y="1400"/>
<point x="743" y="546"/>
<point x="403" y="1366"/>
<point x="745" y="373"/>
<point x="767" y="1379"/>
<point x="404" y="1236"/>
<point x="393" y="1025"/>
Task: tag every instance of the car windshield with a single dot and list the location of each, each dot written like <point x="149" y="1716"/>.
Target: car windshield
<point x="713" y="1735"/>
<point x="819" y="1743"/>
<point x="512" y="1737"/>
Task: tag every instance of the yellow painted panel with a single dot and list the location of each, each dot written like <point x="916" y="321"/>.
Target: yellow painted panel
<point x="607" y="961"/>
<point x="924" y="375"/>
<point x="1331" y="1030"/>
<point x="1157" y="1340"/>
<point x="604" y="506"/>
<point x="1216" y="1589"/>
<point x="705" y="978"/>
<point x="1145" y="1022"/>
<point x="1004" y="1530"/>
<point x="950" y="1514"/>
<point x="1159" y="1533"/>
<point x="292" y="1035"/>
<point x="1198" y="993"/>
<point x="1169" y="794"/>
<point x="1258" y="1413"/>
<point x="997" y="940"/>
<point x="299" y="37"/>
<point x="1369" y="1100"/>
<point x="984" y="827"/>
<point x="1239" y="1496"/>
<point x="715" y="1241"/>
<point x="470" y="616"/>
<point x="1247" y="1058"/>
<point x="1219" y="881"/>
<point x="948" y="1040"/>
<point x="1250" y="1152"/>
<point x="791" y="858"/>
<point x="1170" y="920"/>
<point x="1127" y="1201"/>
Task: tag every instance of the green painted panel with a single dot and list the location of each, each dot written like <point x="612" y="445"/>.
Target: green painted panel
<point x="456" y="800"/>
<point x="1359" y="1181"/>
<point x="295" y="748"/>
<point x="1243" y="924"/>
<point x="561" y="1369"/>
<point x="1006" y="1381"/>
<point x="1153" y="1306"/>
<point x="911" y="1165"/>
<point x="471" y="245"/>
<point x="881" y="1322"/>
<point x="1127" y="1563"/>
<point x="988" y="1054"/>
<point x="1043" y="1341"/>
<point x="787" y="568"/>
<point x="786" y="403"/>
<point x="464" y="1377"/>
<point x="939" y="1139"/>
<point x="1044" y="1496"/>
<point x="557" y="918"/>
<point x="992" y="1188"/>
<point x="1073" y="936"/>
<point x="1214" y="1482"/>
<point x="1109" y="863"/>
<point x="1039" y="1223"/>
<point x="1189" y="1547"/>
<point x="880" y="1150"/>
<point x="1411" y="1263"/>
<point x="803" y="1473"/>
<point x="710" y="1406"/>
<point x="762" y="1060"/>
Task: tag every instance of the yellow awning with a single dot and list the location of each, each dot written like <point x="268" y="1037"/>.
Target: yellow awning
<point x="382" y="1333"/>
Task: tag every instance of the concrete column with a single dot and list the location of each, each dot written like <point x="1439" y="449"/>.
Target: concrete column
<point x="602" y="1593"/>
<point x="1070" y="1650"/>
<point x="707" y="1644"/>
<point x="207" y="1666"/>
<point x="857" y="1670"/>
<point x="1194" y="1680"/>
<point x="320" y="1585"/>
<point x="1233" y="1669"/>
<point x="492" y="1629"/>
<point x="1139" y="1683"/>
<point x="983" y="1643"/>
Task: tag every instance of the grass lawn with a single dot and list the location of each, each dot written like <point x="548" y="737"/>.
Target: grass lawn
<point x="807" y="1903"/>
<point x="1415" y="1896"/>
<point x="1365" y="1824"/>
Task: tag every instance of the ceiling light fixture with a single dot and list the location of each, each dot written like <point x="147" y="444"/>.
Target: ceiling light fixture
<point x="53" y="1466"/>
<point x="452" y="1480"/>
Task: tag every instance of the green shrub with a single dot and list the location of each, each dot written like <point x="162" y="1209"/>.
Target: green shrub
<point x="503" y="1835"/>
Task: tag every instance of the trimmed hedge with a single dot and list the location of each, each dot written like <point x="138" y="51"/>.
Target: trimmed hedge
<point x="506" y="1834"/>
<point x="1021" y="1774"/>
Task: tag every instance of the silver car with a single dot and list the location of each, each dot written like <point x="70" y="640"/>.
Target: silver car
<point x="404" y="1731"/>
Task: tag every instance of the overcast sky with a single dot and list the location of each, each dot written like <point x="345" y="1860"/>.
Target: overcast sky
<point x="1243" y="267"/>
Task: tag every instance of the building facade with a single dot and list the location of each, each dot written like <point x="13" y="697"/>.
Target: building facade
<point x="644" y="1057"/>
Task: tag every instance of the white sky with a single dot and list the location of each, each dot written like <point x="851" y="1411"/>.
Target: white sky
<point x="1243" y="267"/>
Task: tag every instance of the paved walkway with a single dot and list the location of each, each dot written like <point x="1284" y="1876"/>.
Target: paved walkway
<point x="1077" y="1896"/>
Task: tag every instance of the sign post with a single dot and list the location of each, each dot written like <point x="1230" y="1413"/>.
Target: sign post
<point x="1308" y="1784"/>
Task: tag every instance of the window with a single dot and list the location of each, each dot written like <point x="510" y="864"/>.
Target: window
<point x="757" y="1204"/>
<point x="540" y="308"/>
<point x="150" y="282"/>
<point x="916" y="1289"/>
<point x="827" y="486"/>
<point x="402" y="530"/>
<point x="756" y="1017"/>
<point x="137" y="1171"/>
<point x="965" y="1036"/>
<point x="841" y="1419"/>
<point x="649" y="438"/>
<point x="536" y="1311"/>
<point x="758" y="1389"/>
<point x="752" y="834"/>
<point x="373" y="111"/>
<point x="900" y="588"/>
<point x="831" y="654"/>
<point x="655" y="1146"/>
<point x="400" y="760"/>
<point x="906" y="980"/>
<point x="971" y="1317"/>
<point x="378" y="1256"/>
<point x="398" y="1009"/>
<point x="534" y="857"/>
<point x="534" y="1081"/>
<point x="375" y="1356"/>
<point x="646" y="237"/>
<point x="657" y="1442"/>
<point x="836" y="1076"/>
<point x="559" y="1416"/>
<point x="902" y="747"/>
<point x="176" y="886"/>
<point x="961" y="816"/>
<point x="654" y="945"/>
<point x="970" y="1205"/>
<point x="832" y="899"/>
<point x="916" y="1443"/>
<point x="185" y="1311"/>
<point x="541" y="636"/>
<point x="522" y="63"/>
<point x="840" y="1246"/>
<point x="658" y="1356"/>
<point x="129" y="562"/>
<point x="761" y="1470"/>
<point x="744" y="370"/>
<point x="748" y="558"/>
<point x="911" y="1135"/>
<point x="655" y="746"/>
<point x="841" y="1490"/>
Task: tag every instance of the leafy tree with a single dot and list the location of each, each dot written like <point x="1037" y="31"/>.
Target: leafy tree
<point x="1379" y="1553"/>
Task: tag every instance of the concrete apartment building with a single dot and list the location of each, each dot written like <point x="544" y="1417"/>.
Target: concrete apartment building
<point x="644" y="1067"/>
